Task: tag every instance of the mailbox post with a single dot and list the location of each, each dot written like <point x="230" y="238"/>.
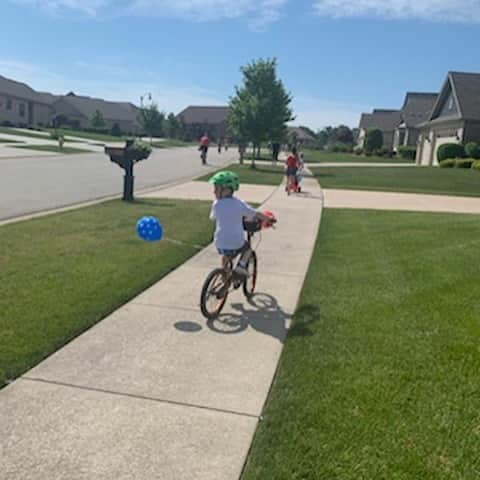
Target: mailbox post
<point x="126" y="157"/>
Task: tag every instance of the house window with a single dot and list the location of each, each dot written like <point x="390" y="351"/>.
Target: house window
<point x="9" y="104"/>
<point x="21" y="109"/>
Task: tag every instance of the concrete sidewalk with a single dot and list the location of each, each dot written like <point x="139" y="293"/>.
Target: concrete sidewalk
<point x="153" y="391"/>
<point x="364" y="199"/>
<point x="197" y="190"/>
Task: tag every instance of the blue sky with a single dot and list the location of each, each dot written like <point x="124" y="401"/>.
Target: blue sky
<point x="337" y="57"/>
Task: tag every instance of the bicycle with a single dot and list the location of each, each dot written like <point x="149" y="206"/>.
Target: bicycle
<point x="203" y="154"/>
<point x="221" y="281"/>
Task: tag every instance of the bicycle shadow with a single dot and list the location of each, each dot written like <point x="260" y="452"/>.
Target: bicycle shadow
<point x="266" y="317"/>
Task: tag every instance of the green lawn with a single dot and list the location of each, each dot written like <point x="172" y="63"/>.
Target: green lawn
<point x="88" y="135"/>
<point x="18" y="133"/>
<point x="171" y="142"/>
<point x="53" y="148"/>
<point x="380" y="374"/>
<point x="262" y="175"/>
<point x="433" y="180"/>
<point x="63" y="273"/>
<point x="318" y="156"/>
<point x="6" y="140"/>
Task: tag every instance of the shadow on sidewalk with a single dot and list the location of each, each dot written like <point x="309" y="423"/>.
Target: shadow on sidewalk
<point x="266" y="316"/>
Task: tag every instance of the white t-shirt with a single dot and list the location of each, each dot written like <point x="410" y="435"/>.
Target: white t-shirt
<point x="229" y="213"/>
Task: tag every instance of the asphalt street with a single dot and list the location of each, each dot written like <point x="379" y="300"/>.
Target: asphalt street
<point x="34" y="184"/>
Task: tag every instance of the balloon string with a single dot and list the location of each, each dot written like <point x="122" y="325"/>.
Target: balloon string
<point x="178" y="242"/>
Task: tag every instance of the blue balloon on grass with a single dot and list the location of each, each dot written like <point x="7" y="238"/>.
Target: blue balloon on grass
<point x="149" y="229"/>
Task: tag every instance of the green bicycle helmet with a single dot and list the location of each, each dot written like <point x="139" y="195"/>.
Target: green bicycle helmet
<point x="226" y="179"/>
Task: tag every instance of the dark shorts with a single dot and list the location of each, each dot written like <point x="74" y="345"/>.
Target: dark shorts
<point x="203" y="148"/>
<point x="229" y="253"/>
<point x="291" y="171"/>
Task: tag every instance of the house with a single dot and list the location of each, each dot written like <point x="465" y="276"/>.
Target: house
<point x="301" y="136"/>
<point x="78" y="112"/>
<point x="385" y="120"/>
<point x="197" y="120"/>
<point x="22" y="106"/>
<point x="455" y="117"/>
<point x="416" y="110"/>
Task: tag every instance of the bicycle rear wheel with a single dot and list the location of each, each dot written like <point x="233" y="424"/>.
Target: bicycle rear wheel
<point x="251" y="281"/>
<point x="214" y="293"/>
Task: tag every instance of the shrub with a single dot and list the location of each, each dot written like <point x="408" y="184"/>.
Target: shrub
<point x="373" y="140"/>
<point x="472" y="150"/>
<point x="447" y="163"/>
<point x="116" y="130"/>
<point x="464" y="162"/>
<point x="450" y="150"/>
<point x="358" y="151"/>
<point x="476" y="165"/>
<point x="54" y="135"/>
<point x="408" y="152"/>
<point x="341" y="148"/>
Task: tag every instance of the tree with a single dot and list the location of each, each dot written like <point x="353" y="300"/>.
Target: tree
<point x="116" y="131"/>
<point x="97" y="120"/>
<point x="342" y="134"/>
<point x="172" y="126"/>
<point x="260" y="109"/>
<point x="152" y="120"/>
<point x="373" y="140"/>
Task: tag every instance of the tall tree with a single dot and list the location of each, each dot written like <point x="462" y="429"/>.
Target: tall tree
<point x="97" y="120"/>
<point x="260" y="109"/>
<point x="151" y="120"/>
<point x="172" y="126"/>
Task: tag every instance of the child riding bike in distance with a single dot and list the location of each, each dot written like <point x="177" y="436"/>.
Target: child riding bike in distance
<point x="228" y="213"/>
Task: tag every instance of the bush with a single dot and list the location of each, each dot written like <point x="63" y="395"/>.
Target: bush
<point x="450" y="150"/>
<point x="116" y="130"/>
<point x="340" y="148"/>
<point x="447" y="163"/>
<point x="358" y="151"/>
<point x="472" y="150"/>
<point x="464" y="162"/>
<point x="408" y="152"/>
<point x="476" y="165"/>
<point x="373" y="140"/>
<point x="54" y="135"/>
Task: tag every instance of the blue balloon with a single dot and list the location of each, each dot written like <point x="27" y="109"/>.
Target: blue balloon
<point x="149" y="229"/>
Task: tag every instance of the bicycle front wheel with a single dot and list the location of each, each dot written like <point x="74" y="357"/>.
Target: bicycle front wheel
<point x="214" y="293"/>
<point x="251" y="281"/>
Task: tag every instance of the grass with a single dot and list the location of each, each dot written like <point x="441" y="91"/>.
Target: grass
<point x="53" y="148"/>
<point x="261" y="175"/>
<point x="19" y="133"/>
<point x="432" y="180"/>
<point x="318" y="156"/>
<point x="380" y="374"/>
<point x="88" y="135"/>
<point x="171" y="142"/>
<point x="6" y="140"/>
<point x="63" y="273"/>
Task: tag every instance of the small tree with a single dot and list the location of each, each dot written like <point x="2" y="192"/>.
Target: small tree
<point x="260" y="109"/>
<point x="116" y="131"/>
<point x="172" y="126"/>
<point x="373" y="140"/>
<point x="152" y="120"/>
<point x="97" y="120"/>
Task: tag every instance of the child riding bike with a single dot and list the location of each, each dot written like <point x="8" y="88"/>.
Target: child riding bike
<point x="229" y="212"/>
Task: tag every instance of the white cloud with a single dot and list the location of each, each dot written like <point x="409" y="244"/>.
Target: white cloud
<point x="259" y="13"/>
<point x="430" y="10"/>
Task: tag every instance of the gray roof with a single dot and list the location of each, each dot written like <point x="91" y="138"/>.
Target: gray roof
<point x="22" y="90"/>
<point x="385" y="120"/>
<point x="466" y="91"/>
<point x="87" y="106"/>
<point x="301" y="133"/>
<point x="417" y="107"/>
<point x="199" y="114"/>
